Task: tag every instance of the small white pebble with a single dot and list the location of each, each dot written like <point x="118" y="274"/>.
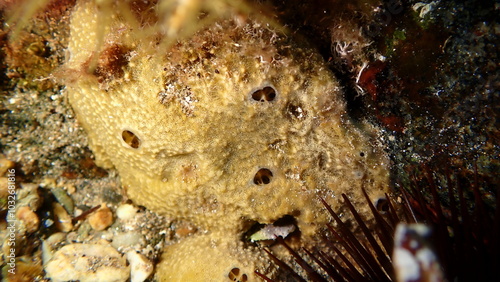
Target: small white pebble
<point x="126" y="211"/>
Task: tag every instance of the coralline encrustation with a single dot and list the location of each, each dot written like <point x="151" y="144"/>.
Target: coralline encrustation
<point x="233" y="126"/>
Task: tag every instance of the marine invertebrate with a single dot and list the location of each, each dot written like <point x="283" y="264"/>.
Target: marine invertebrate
<point x="110" y="65"/>
<point x="210" y="132"/>
<point x="233" y="125"/>
<point x="433" y="233"/>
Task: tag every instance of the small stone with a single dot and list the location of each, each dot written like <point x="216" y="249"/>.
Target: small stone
<point x="5" y="165"/>
<point x="29" y="218"/>
<point x="126" y="239"/>
<point x="126" y="211"/>
<point x="70" y="189"/>
<point x="140" y="267"/>
<point x="63" y="198"/>
<point x="50" y="245"/>
<point x="87" y="262"/>
<point x="77" y="212"/>
<point x="48" y="182"/>
<point x="101" y="219"/>
<point x="63" y="220"/>
<point x="4" y="184"/>
<point x="28" y="196"/>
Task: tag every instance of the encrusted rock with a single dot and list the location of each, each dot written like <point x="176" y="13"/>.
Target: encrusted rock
<point x="86" y="263"/>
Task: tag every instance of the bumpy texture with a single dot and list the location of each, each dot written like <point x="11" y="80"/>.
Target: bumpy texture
<point x="235" y="125"/>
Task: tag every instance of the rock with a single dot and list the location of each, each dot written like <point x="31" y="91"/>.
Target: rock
<point x="4" y="191"/>
<point x="63" y="198"/>
<point x="126" y="211"/>
<point x="50" y="245"/>
<point x="63" y="220"/>
<point x="101" y="219"/>
<point x="28" y="218"/>
<point x="140" y="267"/>
<point x="29" y="196"/>
<point x="87" y="262"/>
<point x="5" y="165"/>
<point x="126" y="239"/>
